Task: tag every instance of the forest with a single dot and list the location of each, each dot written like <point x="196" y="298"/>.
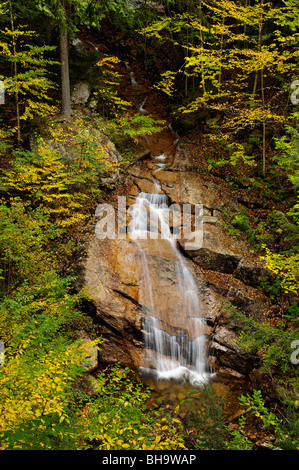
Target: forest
<point x="225" y="73"/>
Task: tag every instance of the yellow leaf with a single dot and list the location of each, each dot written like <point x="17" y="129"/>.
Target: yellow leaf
<point x="175" y="420"/>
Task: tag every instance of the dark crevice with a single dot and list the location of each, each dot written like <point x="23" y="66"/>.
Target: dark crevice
<point x="126" y="296"/>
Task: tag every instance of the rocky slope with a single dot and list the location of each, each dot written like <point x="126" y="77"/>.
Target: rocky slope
<point x="224" y="267"/>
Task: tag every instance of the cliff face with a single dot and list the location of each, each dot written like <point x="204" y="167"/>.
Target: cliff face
<point x="224" y="268"/>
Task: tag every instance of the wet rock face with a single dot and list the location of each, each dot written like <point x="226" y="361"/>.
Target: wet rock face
<point x="223" y="268"/>
<point x="110" y="276"/>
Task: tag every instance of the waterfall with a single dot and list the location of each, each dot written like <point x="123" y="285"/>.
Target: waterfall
<point x="173" y="325"/>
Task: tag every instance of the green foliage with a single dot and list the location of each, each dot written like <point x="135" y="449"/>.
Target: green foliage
<point x="271" y="344"/>
<point x="36" y="394"/>
<point x="118" y="418"/>
<point x="274" y="347"/>
<point x="120" y="13"/>
<point x="293" y="313"/>
<point x="50" y="181"/>
<point x="254" y="405"/>
<point x="238" y="224"/>
<point x="117" y="119"/>
<point x="38" y="311"/>
<point x="236" y="156"/>
<point x="22" y="241"/>
<point x="41" y="180"/>
<point x="284" y="263"/>
<point x="239" y="155"/>
<point x="39" y="322"/>
<point x="57" y="415"/>
<point x="29" y="83"/>
<point x="238" y="440"/>
<point x="5" y="144"/>
<point x="286" y="436"/>
<point x="289" y="397"/>
<point x="132" y="126"/>
<point x="286" y="225"/>
<point x="207" y="420"/>
<point x="288" y="158"/>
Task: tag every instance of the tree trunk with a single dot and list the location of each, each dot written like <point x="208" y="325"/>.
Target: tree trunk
<point x="259" y="48"/>
<point x="65" y="74"/>
<point x="221" y="53"/>
<point x="15" y="75"/>
<point x="264" y="123"/>
<point x="201" y="45"/>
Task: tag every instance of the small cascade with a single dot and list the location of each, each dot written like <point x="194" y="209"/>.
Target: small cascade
<point x="141" y="108"/>
<point x="133" y="79"/>
<point x="174" y="330"/>
<point x="161" y="162"/>
<point x="131" y="74"/>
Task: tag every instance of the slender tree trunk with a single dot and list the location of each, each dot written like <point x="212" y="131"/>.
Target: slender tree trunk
<point x="259" y="49"/>
<point x="221" y="53"/>
<point x="255" y="84"/>
<point x="65" y="73"/>
<point x="201" y="45"/>
<point x="186" y="76"/>
<point x="262" y="92"/>
<point x="245" y="45"/>
<point x="15" y="74"/>
<point x="264" y="122"/>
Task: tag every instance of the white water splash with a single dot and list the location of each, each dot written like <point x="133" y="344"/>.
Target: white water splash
<point x="133" y="79"/>
<point x="161" y="157"/>
<point x="142" y="109"/>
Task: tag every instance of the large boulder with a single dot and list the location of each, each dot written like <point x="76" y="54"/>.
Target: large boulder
<point x="229" y="355"/>
<point x="208" y="258"/>
<point x="81" y="93"/>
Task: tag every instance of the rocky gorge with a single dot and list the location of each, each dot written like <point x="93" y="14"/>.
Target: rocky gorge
<point x="111" y="273"/>
<point x="225" y="270"/>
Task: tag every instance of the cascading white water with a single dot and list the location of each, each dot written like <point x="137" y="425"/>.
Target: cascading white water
<point x="174" y="330"/>
<point x="174" y="326"/>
